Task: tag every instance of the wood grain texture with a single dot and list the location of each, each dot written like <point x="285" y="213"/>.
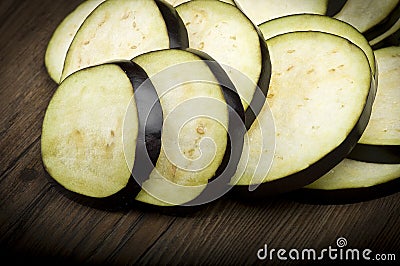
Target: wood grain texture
<point x="38" y="222"/>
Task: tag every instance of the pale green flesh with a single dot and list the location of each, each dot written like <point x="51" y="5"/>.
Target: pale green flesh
<point x="63" y="36"/>
<point x="312" y="22"/>
<point x="384" y="125"/>
<point x="229" y="37"/>
<point x="193" y="145"/>
<point x="260" y="11"/>
<point x="82" y="136"/>
<point x="354" y="174"/>
<point x="115" y="30"/>
<point x="364" y="14"/>
<point x="318" y="90"/>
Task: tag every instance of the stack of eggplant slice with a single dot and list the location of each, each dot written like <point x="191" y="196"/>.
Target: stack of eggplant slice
<point x="173" y="104"/>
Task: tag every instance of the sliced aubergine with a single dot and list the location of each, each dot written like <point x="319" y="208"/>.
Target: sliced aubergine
<point x="380" y="142"/>
<point x="389" y="23"/>
<point x="353" y="181"/>
<point x="262" y="11"/>
<point x="227" y="35"/>
<point x="118" y="30"/>
<point x="320" y="97"/>
<point x="63" y="36"/>
<point x="368" y="15"/>
<point x="334" y="6"/>
<point x="203" y="129"/>
<point x="313" y="22"/>
<point x="89" y="135"/>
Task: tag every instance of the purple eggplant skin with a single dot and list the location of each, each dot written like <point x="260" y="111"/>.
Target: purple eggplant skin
<point x="178" y="36"/>
<point x="334" y="6"/>
<point x="219" y="185"/>
<point x="386" y="154"/>
<point x="150" y="114"/>
<point x="384" y="25"/>
<point x="345" y="196"/>
<point x="391" y="40"/>
<point x="318" y="169"/>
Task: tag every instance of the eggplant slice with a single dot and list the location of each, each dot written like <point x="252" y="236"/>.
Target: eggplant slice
<point x="353" y="181"/>
<point x="364" y="15"/>
<point x="313" y="22"/>
<point x="380" y="142"/>
<point x="62" y="37"/>
<point x="262" y="11"/>
<point x="82" y="136"/>
<point x="320" y="96"/>
<point x="227" y="35"/>
<point x="197" y="119"/>
<point x="118" y="30"/>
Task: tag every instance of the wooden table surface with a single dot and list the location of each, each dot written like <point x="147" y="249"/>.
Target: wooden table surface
<point x="39" y="222"/>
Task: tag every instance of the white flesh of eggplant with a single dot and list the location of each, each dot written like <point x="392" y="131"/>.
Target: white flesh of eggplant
<point x="318" y="90"/>
<point x="229" y="37"/>
<point x="364" y="14"/>
<point x="82" y="137"/>
<point x="183" y="170"/>
<point x="117" y="29"/>
<point x="355" y="174"/>
<point x="260" y="11"/>
<point x="384" y="126"/>
<point x="63" y="36"/>
<point x="312" y="22"/>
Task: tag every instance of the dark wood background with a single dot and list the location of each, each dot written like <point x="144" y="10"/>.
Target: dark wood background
<point x="38" y="222"/>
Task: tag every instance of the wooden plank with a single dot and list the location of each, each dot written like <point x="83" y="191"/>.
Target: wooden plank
<point x="26" y="89"/>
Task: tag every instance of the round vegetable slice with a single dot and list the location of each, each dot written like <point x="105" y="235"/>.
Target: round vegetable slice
<point x="314" y="22"/>
<point x="82" y="136"/>
<point x="320" y="96"/>
<point x="364" y="15"/>
<point x="353" y="181"/>
<point x="389" y="23"/>
<point x="89" y="136"/>
<point x="226" y="34"/>
<point x="118" y="30"/>
<point x="380" y="142"/>
<point x="262" y="11"/>
<point x="62" y="37"/>
<point x="198" y="115"/>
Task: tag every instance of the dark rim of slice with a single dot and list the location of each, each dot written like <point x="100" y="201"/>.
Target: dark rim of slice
<point x="334" y="6"/>
<point x="150" y="116"/>
<point x="387" y="154"/>
<point x="260" y="94"/>
<point x="178" y="37"/>
<point x="319" y="168"/>
<point x="384" y="25"/>
<point x="346" y="195"/>
<point x="123" y="200"/>
<point x="236" y="131"/>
